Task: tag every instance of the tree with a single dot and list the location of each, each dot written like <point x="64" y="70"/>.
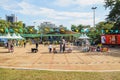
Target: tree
<point x="73" y="27"/>
<point x="80" y="28"/>
<point x="114" y="6"/>
<point x="62" y="29"/>
<point x="3" y="26"/>
<point x="114" y="15"/>
<point x="104" y="25"/>
<point x="46" y="29"/>
<point x="31" y="30"/>
<point x="17" y="27"/>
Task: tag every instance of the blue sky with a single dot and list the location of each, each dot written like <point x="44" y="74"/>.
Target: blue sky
<point x="59" y="12"/>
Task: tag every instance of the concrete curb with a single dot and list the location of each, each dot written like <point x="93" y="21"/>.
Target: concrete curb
<point x="19" y="68"/>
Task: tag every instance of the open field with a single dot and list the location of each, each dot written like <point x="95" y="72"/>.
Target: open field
<point x="77" y="61"/>
<point x="12" y="74"/>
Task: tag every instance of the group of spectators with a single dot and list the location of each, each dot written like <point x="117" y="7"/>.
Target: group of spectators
<point x="11" y="43"/>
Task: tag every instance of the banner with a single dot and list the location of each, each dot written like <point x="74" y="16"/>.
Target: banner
<point x="118" y="39"/>
<point x="110" y="39"/>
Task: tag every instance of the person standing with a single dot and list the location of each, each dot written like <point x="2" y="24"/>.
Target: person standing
<point x="50" y="48"/>
<point x="36" y="45"/>
<point x="63" y="41"/>
<point x="61" y="48"/>
<point x="11" y="47"/>
<point x="24" y="44"/>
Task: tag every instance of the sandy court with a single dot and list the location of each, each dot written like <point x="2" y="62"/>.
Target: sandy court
<point x="23" y="58"/>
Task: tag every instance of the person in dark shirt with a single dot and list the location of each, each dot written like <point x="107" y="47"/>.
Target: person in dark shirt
<point x="36" y="45"/>
<point x="24" y="44"/>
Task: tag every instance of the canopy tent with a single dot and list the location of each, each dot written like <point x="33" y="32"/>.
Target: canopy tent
<point x="83" y="36"/>
<point x="8" y="36"/>
<point x="1" y="37"/>
<point x="15" y="36"/>
<point x="20" y="37"/>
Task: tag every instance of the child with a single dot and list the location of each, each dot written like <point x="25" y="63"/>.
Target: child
<point x="54" y="50"/>
<point x="69" y="50"/>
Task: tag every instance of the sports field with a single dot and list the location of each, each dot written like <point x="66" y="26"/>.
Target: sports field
<point x="22" y="58"/>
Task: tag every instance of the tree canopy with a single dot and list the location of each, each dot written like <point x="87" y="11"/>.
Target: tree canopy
<point x="114" y="14"/>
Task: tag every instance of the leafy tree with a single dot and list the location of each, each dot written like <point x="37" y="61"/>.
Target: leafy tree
<point x="95" y="32"/>
<point x="46" y="29"/>
<point x="31" y="30"/>
<point x="17" y="27"/>
<point x="73" y="27"/>
<point x="3" y="26"/>
<point x="80" y="28"/>
<point x="104" y="25"/>
<point x="62" y="29"/>
<point x="114" y="15"/>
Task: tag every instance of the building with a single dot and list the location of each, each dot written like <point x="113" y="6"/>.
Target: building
<point x="11" y="18"/>
<point x="47" y="24"/>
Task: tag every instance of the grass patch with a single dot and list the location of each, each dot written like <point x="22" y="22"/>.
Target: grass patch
<point x="12" y="74"/>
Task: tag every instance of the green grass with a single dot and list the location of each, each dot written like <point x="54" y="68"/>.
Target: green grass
<point x="12" y="74"/>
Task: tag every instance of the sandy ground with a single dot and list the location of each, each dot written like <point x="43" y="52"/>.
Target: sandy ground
<point x="23" y="58"/>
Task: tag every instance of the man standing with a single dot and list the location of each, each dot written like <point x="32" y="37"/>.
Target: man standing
<point x="61" y="46"/>
<point x="36" y="45"/>
<point x="63" y="41"/>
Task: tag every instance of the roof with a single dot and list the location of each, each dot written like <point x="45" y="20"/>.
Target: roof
<point x="39" y="35"/>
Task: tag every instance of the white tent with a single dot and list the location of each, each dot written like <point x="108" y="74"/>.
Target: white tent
<point x="1" y="37"/>
<point x="15" y="36"/>
<point x="83" y="36"/>
<point x="8" y="36"/>
<point x="86" y="37"/>
<point x="20" y="37"/>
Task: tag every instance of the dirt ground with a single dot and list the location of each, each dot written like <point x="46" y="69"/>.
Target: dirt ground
<point x="77" y="60"/>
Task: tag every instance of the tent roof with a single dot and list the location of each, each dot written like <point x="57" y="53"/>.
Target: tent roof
<point x="38" y="35"/>
<point x="83" y="36"/>
<point x="8" y="36"/>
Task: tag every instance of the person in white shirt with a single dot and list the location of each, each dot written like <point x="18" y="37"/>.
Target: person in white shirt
<point x="50" y="48"/>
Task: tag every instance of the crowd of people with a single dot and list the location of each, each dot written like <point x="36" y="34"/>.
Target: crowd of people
<point x="63" y="46"/>
<point x="11" y="43"/>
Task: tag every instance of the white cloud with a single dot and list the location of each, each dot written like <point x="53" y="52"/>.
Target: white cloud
<point x="9" y="5"/>
<point x="29" y="9"/>
<point x="58" y="17"/>
<point x="78" y="2"/>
